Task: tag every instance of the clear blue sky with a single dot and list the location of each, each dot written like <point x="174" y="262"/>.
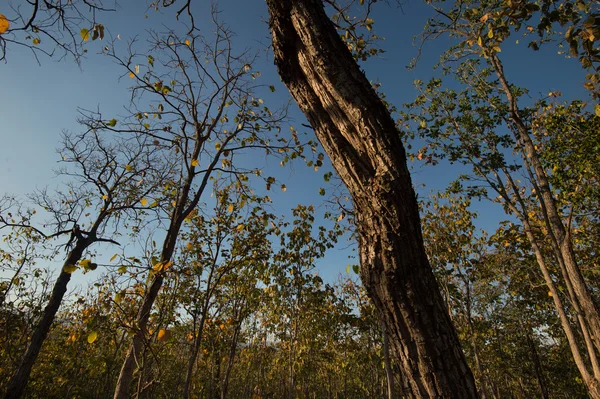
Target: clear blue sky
<point x="38" y="102"/>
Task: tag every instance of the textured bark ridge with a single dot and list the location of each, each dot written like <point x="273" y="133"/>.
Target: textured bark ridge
<point x="360" y="137"/>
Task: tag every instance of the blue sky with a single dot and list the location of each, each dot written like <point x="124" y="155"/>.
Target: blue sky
<point x="38" y="102"/>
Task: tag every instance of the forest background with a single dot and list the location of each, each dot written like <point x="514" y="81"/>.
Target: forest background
<point x="299" y="325"/>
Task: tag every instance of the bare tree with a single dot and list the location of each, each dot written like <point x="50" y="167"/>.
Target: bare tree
<point x="105" y="186"/>
<point x="195" y="98"/>
<point x="52" y="27"/>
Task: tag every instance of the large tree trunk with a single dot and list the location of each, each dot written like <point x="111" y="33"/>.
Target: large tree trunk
<point x="18" y="382"/>
<point x="361" y="139"/>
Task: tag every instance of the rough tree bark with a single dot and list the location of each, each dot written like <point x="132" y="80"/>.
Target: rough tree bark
<point x="359" y="135"/>
<point x="387" y="361"/>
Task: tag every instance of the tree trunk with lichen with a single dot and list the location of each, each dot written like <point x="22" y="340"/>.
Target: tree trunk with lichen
<point x="359" y="135"/>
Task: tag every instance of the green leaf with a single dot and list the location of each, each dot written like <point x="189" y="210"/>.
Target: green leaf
<point x="112" y="122"/>
<point x="272" y="88"/>
<point x="356" y="269"/>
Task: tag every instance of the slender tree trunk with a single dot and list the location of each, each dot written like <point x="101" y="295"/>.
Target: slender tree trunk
<point x="190" y="367"/>
<point x="198" y="340"/>
<point x="591" y="382"/>
<point x="474" y="348"/>
<point x="537" y="365"/>
<point x="18" y="382"/>
<point x="196" y="349"/>
<point x="230" y="360"/>
<point x="556" y="227"/>
<point x="360" y="137"/>
<point x="139" y="339"/>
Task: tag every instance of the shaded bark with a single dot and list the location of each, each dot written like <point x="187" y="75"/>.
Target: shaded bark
<point x="387" y="361"/>
<point x="359" y="135"/>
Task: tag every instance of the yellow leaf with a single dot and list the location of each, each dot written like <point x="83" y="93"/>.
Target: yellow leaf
<point x="283" y="188"/>
<point x="144" y="202"/>
<point x="4" y="24"/>
<point x="163" y="335"/>
<point x="187" y="42"/>
<point x="69" y="268"/>
<point x="85" y="34"/>
<point x="92" y="337"/>
<point x="158" y="267"/>
<point x="36" y="41"/>
<point x="549" y="293"/>
<point x="230" y="208"/>
<point x="114" y="257"/>
<point x="128" y="168"/>
<point x="85" y="263"/>
<point x="131" y="75"/>
<point x="240" y="227"/>
<point x="118" y="297"/>
<point x="218" y="146"/>
<point x="162" y="266"/>
<point x="195" y="162"/>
